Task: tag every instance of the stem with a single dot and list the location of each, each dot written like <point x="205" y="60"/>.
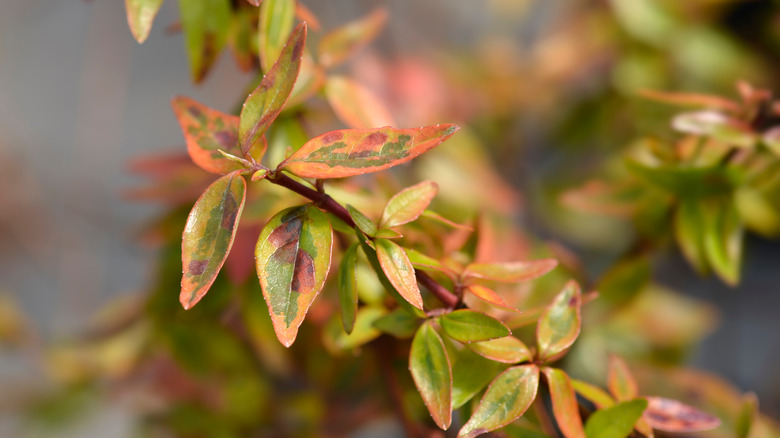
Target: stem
<point x="324" y="201"/>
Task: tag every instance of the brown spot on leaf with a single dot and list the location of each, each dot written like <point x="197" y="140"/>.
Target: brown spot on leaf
<point x="286" y="232"/>
<point x="195" y="111"/>
<point x="298" y="49"/>
<point x="303" y="277"/>
<point x="574" y="301"/>
<point x="286" y="253"/>
<point x="332" y="137"/>
<point x="374" y="140"/>
<point x="226" y="138"/>
<point x="229" y="212"/>
<point x="198" y="267"/>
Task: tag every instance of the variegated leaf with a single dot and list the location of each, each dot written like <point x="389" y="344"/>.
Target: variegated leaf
<point x="399" y="270"/>
<point x="432" y="374"/>
<point x="268" y="99"/>
<point x="408" y="204"/>
<point x="277" y="18"/>
<point x="205" y="24"/>
<point x="511" y="272"/>
<point x="349" y="152"/>
<point x="208" y="235"/>
<point x="206" y="131"/>
<point x="470" y="326"/>
<point x="140" y="15"/>
<point x="507" y="350"/>
<point x="559" y="325"/>
<point x="564" y="403"/>
<point x="293" y="259"/>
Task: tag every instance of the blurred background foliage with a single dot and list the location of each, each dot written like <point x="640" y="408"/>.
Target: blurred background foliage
<point x="550" y="97"/>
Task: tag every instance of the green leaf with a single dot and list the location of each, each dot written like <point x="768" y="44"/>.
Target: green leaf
<point x="686" y="181"/>
<point x="593" y="393"/>
<point x="341" y="43"/>
<point x="240" y="37"/>
<point x="470" y="326"/>
<point x="207" y="131"/>
<point x="507" y="350"/>
<point x="205" y="24"/>
<point x="748" y="414"/>
<point x="506" y="399"/>
<point x="398" y="323"/>
<point x="293" y="259"/>
<point x="470" y="372"/>
<point x="208" y="235"/>
<point x="365" y="224"/>
<point x="140" y="15"/>
<point x="512" y="272"/>
<point x="268" y="99"/>
<point x="559" y="325"/>
<point x="350" y="152"/>
<point x="432" y="374"/>
<point x="723" y="238"/>
<point x="348" y="297"/>
<point x="408" y="204"/>
<point x="387" y="233"/>
<point x="564" y="403"/>
<point x="422" y="261"/>
<point x="355" y="105"/>
<point x="620" y="381"/>
<point x="624" y="280"/>
<point x="364" y="330"/>
<point x="277" y="18"/>
<point x="689" y="233"/>
<point x="399" y="270"/>
<point x="615" y="422"/>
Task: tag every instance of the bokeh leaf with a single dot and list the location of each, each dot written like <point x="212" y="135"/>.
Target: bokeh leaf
<point x="593" y="393"/>
<point x="408" y="204"/>
<point x="689" y="233"/>
<point x="432" y="374"/>
<point x="205" y="24"/>
<point x="507" y="350"/>
<point x="748" y="413"/>
<point x="292" y="257"/>
<point x="564" y="403"/>
<point x="355" y="105"/>
<point x="207" y="131"/>
<point x="268" y="99"/>
<point x="559" y="325"/>
<point x="723" y="238"/>
<point x="673" y="416"/>
<point x="616" y="421"/>
<point x="511" y="272"/>
<point x="469" y="326"/>
<point x="348" y="297"/>
<point x="399" y="270"/>
<point x="341" y="43"/>
<point x="486" y="294"/>
<point x="277" y="18"/>
<point x="350" y="152"/>
<point x="208" y="235"/>
<point x="620" y="381"/>
<point x="140" y="15"/>
<point x="716" y="125"/>
<point x="398" y="323"/>
<point x="506" y="399"/>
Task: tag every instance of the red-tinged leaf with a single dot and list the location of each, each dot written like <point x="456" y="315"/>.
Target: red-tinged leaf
<point x="593" y="393"/>
<point x="512" y="272"/>
<point x="673" y="416"/>
<point x="239" y="38"/>
<point x="209" y="234"/>
<point x="488" y="295"/>
<point x="408" y="204"/>
<point x="691" y="99"/>
<point x="399" y="270"/>
<point x="564" y="402"/>
<point x="205" y="24"/>
<point x="277" y="18"/>
<point x="268" y="99"/>
<point x="443" y="220"/>
<point x="506" y="399"/>
<point x="341" y="43"/>
<point x="207" y="131"/>
<point x="507" y="350"/>
<point x="293" y="259"/>
<point x="254" y="2"/>
<point x="305" y="14"/>
<point x="355" y="105"/>
<point x="559" y="325"/>
<point x="140" y="15"/>
<point x="470" y="326"/>
<point x="350" y="152"/>
<point x="716" y="125"/>
<point x="348" y="297"/>
<point x="615" y="422"/>
<point x="620" y="381"/>
<point x="432" y="374"/>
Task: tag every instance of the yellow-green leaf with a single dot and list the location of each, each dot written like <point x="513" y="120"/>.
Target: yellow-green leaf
<point x="689" y="233"/>
<point x="469" y="326"/>
<point x="341" y="43"/>
<point x="208" y="235"/>
<point x="207" y="131"/>
<point x="398" y="323"/>
<point x="399" y="270"/>
<point x="748" y="413"/>
<point x="205" y="24"/>
<point x="268" y="99"/>
<point x="293" y="259"/>
<point x="615" y="422"/>
<point x="507" y="350"/>
<point x="355" y="105"/>
<point x="348" y="297"/>
<point x="512" y="272"/>
<point x="620" y="381"/>
<point x="277" y="18"/>
<point x="470" y="372"/>
<point x="362" y="221"/>
<point x="723" y="238"/>
<point x="559" y="325"/>
<point x="350" y="152"/>
<point x="408" y="204"/>
<point x="432" y="374"/>
<point x="593" y="393"/>
<point x="140" y="15"/>
<point x="564" y="402"/>
<point x="506" y="399"/>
